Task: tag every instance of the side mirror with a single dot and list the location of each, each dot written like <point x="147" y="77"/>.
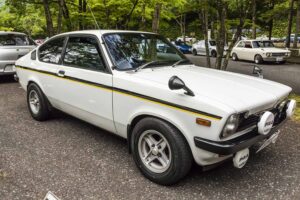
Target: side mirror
<point x="176" y="83"/>
<point x="258" y="71"/>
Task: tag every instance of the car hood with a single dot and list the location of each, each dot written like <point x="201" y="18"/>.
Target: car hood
<point x="240" y="92"/>
<point x="276" y="50"/>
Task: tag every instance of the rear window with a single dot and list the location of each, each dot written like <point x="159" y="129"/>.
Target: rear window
<point x="15" y="40"/>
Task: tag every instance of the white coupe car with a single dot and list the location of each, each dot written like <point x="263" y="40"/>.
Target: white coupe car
<point x="171" y="112"/>
<point x="198" y="48"/>
<point x="259" y="51"/>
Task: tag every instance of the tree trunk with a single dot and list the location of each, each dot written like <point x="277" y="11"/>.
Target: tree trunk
<point x="80" y="27"/>
<point x="254" y="19"/>
<point x="204" y="19"/>
<point x="59" y="17"/>
<point x="156" y="16"/>
<point x="66" y="15"/>
<point x="221" y="11"/>
<point x="49" y="22"/>
<point x="237" y="35"/>
<point x="297" y="25"/>
<point x="290" y="23"/>
<point x="143" y="25"/>
<point x="272" y="4"/>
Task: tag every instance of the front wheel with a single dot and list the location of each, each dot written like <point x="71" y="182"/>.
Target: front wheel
<point x="160" y="151"/>
<point x="258" y="59"/>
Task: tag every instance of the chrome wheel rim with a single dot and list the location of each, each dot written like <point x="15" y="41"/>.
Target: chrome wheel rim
<point x="34" y="101"/>
<point x="154" y="151"/>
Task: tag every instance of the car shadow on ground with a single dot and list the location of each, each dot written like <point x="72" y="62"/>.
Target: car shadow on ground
<point x="7" y="79"/>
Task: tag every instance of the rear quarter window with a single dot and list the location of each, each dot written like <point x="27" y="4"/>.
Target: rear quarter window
<point x="50" y="52"/>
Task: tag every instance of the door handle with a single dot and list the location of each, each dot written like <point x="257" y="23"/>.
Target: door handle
<point x="61" y="73"/>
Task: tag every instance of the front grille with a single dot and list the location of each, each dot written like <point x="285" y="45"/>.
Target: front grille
<point x="247" y="122"/>
<point x="278" y="54"/>
<point x="252" y="120"/>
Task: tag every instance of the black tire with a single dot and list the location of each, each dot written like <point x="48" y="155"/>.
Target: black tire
<point x="181" y="156"/>
<point x="43" y="112"/>
<point x="234" y="57"/>
<point x="258" y="59"/>
<point x="213" y="53"/>
<point x="194" y="52"/>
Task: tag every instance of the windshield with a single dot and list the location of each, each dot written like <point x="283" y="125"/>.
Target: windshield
<point x="262" y="44"/>
<point x="212" y="43"/>
<point x="15" y="40"/>
<point x="132" y="50"/>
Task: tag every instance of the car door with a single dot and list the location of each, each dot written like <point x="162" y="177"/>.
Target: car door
<point x="240" y="50"/>
<point x="84" y="88"/>
<point x="49" y="59"/>
<point x="202" y="48"/>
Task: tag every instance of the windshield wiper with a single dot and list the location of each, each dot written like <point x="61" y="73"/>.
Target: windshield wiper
<point x="180" y="61"/>
<point x="146" y="65"/>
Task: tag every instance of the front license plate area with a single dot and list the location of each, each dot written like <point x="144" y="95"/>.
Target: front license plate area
<point x="269" y="141"/>
<point x="278" y="59"/>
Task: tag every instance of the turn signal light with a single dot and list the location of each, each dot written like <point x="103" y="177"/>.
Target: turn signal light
<point x="203" y="122"/>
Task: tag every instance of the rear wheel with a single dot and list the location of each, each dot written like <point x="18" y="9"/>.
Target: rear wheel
<point x="234" y="57"/>
<point x="194" y="52"/>
<point x="214" y="53"/>
<point x="160" y="151"/>
<point x="37" y="103"/>
<point x="258" y="59"/>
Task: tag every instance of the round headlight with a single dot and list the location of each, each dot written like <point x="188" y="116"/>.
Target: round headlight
<point x="268" y="54"/>
<point x="230" y="126"/>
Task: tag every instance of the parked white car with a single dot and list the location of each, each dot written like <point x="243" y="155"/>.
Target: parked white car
<point x="171" y="112"/>
<point x="259" y="51"/>
<point x="187" y="39"/>
<point x="198" y="48"/>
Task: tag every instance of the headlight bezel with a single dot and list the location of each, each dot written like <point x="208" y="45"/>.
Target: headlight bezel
<point x="230" y="126"/>
<point x="268" y="54"/>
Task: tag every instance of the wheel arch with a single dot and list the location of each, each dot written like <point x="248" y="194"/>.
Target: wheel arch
<point x="137" y="118"/>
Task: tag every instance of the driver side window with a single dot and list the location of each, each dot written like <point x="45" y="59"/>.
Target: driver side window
<point x="241" y="44"/>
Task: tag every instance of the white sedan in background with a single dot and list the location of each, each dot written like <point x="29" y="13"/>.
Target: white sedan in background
<point x="259" y="51"/>
<point x="198" y="48"/>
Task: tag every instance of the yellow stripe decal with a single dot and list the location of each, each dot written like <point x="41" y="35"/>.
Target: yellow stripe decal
<point x="128" y="93"/>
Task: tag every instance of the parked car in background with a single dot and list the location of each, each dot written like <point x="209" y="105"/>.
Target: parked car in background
<point x="172" y="112"/>
<point x="13" y="45"/>
<point x="183" y="47"/>
<point x="39" y="41"/>
<point x="259" y="51"/>
<point x="273" y="39"/>
<point x="293" y="37"/>
<point x="187" y="39"/>
<point x="198" y="48"/>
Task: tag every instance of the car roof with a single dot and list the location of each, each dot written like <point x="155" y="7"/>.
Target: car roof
<point x="255" y="40"/>
<point x="101" y="32"/>
<point x="11" y="32"/>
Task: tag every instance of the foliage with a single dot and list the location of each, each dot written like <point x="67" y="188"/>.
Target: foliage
<point x="296" y="116"/>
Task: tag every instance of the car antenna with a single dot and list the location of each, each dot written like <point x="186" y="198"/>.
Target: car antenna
<point x="92" y="14"/>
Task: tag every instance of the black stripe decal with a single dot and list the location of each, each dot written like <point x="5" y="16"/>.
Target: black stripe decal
<point x="127" y="92"/>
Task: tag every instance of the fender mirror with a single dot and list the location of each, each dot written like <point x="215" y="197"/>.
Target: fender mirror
<point x="258" y="71"/>
<point x="176" y="83"/>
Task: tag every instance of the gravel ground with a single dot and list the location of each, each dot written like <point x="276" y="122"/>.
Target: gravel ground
<point x="76" y="160"/>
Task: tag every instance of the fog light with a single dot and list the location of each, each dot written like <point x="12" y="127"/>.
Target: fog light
<point x="265" y="123"/>
<point x="291" y="108"/>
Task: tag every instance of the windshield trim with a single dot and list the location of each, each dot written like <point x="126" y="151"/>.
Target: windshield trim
<point x="114" y="67"/>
